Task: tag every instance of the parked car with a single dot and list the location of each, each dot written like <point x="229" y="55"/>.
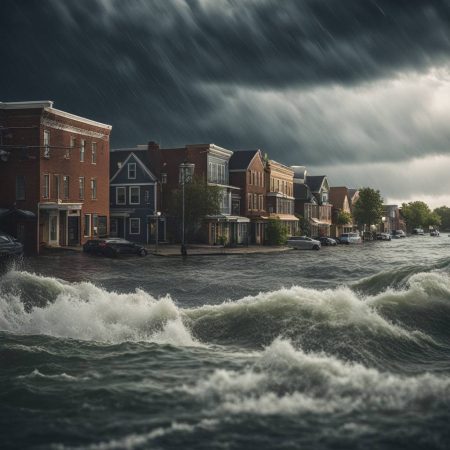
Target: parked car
<point x="113" y="247"/>
<point x="398" y="234"/>
<point x="303" y="243"/>
<point x="383" y="237"/>
<point x="418" y="231"/>
<point x="350" y="238"/>
<point x="325" y="240"/>
<point x="10" y="247"/>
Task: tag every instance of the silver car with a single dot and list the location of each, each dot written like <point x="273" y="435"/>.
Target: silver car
<point x="303" y="243"/>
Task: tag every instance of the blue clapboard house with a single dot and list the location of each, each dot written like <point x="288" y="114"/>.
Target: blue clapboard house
<point x="133" y="197"/>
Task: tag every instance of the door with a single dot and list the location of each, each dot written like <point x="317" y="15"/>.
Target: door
<point x="53" y="238"/>
<point x="73" y="230"/>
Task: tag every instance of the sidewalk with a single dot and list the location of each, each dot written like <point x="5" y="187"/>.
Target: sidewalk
<point x="207" y="250"/>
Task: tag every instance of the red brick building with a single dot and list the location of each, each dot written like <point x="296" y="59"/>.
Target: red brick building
<point x="54" y="172"/>
<point x="247" y="171"/>
<point x="211" y="162"/>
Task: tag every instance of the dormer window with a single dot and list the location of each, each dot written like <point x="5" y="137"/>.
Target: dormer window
<point x="132" y="171"/>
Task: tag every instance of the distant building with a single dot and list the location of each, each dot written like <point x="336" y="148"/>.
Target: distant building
<point x="210" y="162"/>
<point x="54" y="169"/>
<point x="339" y="199"/>
<point x="392" y="219"/>
<point x="134" y="203"/>
<point x="247" y="171"/>
<point x="280" y="195"/>
<point x="312" y="202"/>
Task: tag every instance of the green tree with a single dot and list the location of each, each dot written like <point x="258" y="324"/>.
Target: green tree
<point x="200" y="200"/>
<point x="444" y="213"/>
<point x="368" y="209"/>
<point x="417" y="214"/>
<point x="343" y="218"/>
<point x="276" y="232"/>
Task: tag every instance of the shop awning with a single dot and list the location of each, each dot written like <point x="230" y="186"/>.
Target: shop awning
<point x="60" y="206"/>
<point x="318" y="222"/>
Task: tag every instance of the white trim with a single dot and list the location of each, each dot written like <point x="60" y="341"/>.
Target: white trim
<point x="141" y="164"/>
<point x="139" y="195"/>
<point x="49" y="123"/>
<point x="129" y="224"/>
<point x="135" y="170"/>
<point x="117" y="195"/>
<point x="67" y="115"/>
<point x="27" y="105"/>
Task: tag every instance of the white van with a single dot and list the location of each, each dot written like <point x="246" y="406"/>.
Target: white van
<point x="350" y="238"/>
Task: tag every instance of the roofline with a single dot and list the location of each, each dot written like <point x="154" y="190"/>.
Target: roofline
<point x="47" y="105"/>
<point x="128" y="149"/>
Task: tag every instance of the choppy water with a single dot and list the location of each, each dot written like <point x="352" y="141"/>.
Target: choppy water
<point x="345" y="348"/>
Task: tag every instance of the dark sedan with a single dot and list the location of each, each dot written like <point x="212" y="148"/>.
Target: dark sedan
<point x="324" y="240"/>
<point x="10" y="247"/>
<point x="113" y="247"/>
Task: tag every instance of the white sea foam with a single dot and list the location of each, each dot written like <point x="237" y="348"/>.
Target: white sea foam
<point x="84" y="311"/>
<point x="58" y="376"/>
<point x="289" y="381"/>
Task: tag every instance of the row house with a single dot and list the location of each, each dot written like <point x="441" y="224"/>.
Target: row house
<point x="280" y="195"/>
<point x="54" y="168"/>
<point x="247" y="171"/>
<point x="392" y="219"/>
<point x="134" y="209"/>
<point x="211" y="163"/>
<point x="312" y="202"/>
<point x="340" y="200"/>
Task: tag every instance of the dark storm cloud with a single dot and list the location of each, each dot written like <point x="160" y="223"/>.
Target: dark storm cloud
<point x="267" y="74"/>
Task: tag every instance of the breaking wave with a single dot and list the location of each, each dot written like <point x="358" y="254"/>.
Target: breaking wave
<point x="285" y="380"/>
<point x="87" y="312"/>
<point x="406" y="323"/>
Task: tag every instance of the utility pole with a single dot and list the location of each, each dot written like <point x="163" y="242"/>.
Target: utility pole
<point x="184" y="168"/>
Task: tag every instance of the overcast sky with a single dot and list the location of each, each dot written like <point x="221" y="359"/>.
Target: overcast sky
<point x="358" y="90"/>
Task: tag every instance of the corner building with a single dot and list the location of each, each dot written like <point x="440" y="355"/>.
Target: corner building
<point x="54" y="168"/>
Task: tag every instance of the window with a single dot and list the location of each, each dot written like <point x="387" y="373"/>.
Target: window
<point x="20" y="187"/>
<point x="82" y="149"/>
<point x="121" y="195"/>
<point x="102" y="226"/>
<point x="66" y="187"/>
<point x="46" y="186"/>
<point x="94" y="188"/>
<point x="261" y="202"/>
<point x="147" y="197"/>
<point x="46" y="144"/>
<point x="249" y="201"/>
<point x="188" y="172"/>
<point x="132" y="171"/>
<point x="94" y="153"/>
<point x="81" y="187"/>
<point x="70" y="149"/>
<point x="135" y="226"/>
<point x="164" y="178"/>
<point x="95" y="224"/>
<point x="135" y="194"/>
<point x="87" y="225"/>
<point x="56" y="186"/>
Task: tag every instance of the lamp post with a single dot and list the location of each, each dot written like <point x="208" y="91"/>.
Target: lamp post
<point x="157" y="215"/>
<point x="184" y="179"/>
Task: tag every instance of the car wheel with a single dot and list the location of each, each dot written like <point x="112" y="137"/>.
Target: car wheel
<point x="142" y="252"/>
<point x="316" y="247"/>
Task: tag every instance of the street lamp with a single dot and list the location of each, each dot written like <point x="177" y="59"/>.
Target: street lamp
<point x="186" y="170"/>
<point x="158" y="215"/>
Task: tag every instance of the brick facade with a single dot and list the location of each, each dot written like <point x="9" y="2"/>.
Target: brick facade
<point x="45" y="161"/>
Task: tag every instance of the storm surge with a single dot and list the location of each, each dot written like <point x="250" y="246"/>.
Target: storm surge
<point x="405" y="324"/>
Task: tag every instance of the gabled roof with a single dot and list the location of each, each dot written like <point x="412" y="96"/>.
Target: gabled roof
<point x="241" y="159"/>
<point x="337" y="196"/>
<point x="123" y="157"/>
<point x="315" y="182"/>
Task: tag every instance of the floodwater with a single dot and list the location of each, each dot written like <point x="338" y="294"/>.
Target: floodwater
<point x="348" y="347"/>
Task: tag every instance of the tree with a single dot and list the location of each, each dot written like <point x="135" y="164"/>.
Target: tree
<point x="417" y="214"/>
<point x="444" y="213"/>
<point x="343" y="218"/>
<point x="276" y="232"/>
<point x="200" y="200"/>
<point x="368" y="209"/>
